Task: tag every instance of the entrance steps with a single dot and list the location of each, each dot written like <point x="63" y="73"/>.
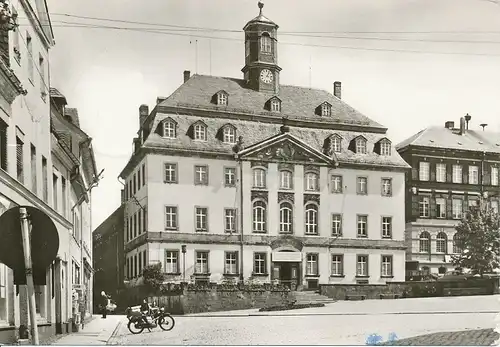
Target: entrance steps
<point x="311" y="297"/>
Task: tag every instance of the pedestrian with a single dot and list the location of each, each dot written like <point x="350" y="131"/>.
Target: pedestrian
<point x="83" y="309"/>
<point x="105" y="302"/>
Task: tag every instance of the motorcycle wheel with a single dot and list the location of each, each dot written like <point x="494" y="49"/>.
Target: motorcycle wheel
<point x="166" y="322"/>
<point x="133" y="329"/>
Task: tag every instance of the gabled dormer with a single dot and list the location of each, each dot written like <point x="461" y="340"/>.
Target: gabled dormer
<point x="198" y="131"/>
<point x="324" y="110"/>
<point x="383" y="147"/>
<point x="167" y="128"/>
<point x="358" y="144"/>
<point x="273" y="104"/>
<point x="221" y="98"/>
<point x="227" y="134"/>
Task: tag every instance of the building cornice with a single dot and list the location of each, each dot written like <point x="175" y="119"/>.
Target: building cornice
<point x="10" y="85"/>
<point x="37" y="25"/>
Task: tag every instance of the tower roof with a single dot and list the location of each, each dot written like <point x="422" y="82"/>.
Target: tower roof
<point x="260" y="19"/>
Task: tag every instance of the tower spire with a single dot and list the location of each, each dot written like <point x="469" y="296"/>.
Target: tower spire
<point x="261" y="5"/>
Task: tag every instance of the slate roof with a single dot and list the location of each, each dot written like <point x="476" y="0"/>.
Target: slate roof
<point x="441" y="137"/>
<point x="54" y="93"/>
<point x="297" y="103"/>
<point x="254" y="132"/>
<point x="72" y="113"/>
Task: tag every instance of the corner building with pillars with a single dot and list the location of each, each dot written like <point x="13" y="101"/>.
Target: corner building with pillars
<point x="237" y="179"/>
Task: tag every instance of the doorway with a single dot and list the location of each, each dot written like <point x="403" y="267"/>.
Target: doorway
<point x="287" y="274"/>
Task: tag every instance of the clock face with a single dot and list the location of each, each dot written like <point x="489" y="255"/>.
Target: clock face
<point x="266" y="76"/>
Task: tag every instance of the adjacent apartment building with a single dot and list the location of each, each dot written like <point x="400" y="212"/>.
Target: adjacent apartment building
<point x="238" y="179"/>
<point x="37" y="168"/>
<point x="452" y="166"/>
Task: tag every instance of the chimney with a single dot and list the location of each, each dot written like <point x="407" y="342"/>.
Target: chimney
<point x="143" y="114"/>
<point x="160" y="99"/>
<point x="187" y="75"/>
<point x="467" y="120"/>
<point x="137" y="144"/>
<point x="483" y="125"/>
<point x="462" y="125"/>
<point x="337" y="89"/>
<point x="449" y="124"/>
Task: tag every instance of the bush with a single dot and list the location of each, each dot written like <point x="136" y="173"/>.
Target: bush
<point x="153" y="276"/>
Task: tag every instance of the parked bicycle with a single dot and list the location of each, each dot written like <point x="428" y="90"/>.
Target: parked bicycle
<point x="157" y="318"/>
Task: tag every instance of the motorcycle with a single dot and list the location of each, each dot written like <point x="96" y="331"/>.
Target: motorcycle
<point x="158" y="318"/>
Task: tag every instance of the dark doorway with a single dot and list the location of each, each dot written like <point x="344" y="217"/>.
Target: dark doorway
<point x="287" y="273"/>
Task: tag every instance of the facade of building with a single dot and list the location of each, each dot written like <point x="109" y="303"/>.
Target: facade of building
<point x="34" y="166"/>
<point x="451" y="168"/>
<point x="251" y="179"/>
<point x="108" y="255"/>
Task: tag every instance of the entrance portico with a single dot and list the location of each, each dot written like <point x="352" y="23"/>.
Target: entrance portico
<point x="286" y="261"/>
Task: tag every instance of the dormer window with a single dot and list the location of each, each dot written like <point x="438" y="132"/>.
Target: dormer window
<point x="200" y="132"/>
<point x="336" y="143"/>
<point x="265" y="43"/>
<point x="222" y="98"/>
<point x="169" y="129"/>
<point x="229" y="134"/>
<point x="361" y="145"/>
<point x="326" y="109"/>
<point x="247" y="46"/>
<point x="274" y="104"/>
<point x="385" y="147"/>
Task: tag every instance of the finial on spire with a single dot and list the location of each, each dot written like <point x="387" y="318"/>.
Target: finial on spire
<point x="261" y="5"/>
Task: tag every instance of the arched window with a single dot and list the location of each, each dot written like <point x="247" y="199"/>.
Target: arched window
<point x="312" y="181"/>
<point x="200" y="132"/>
<point x="259" y="178"/>
<point x="265" y="43"/>
<point x="441" y="243"/>
<point x="425" y="242"/>
<point x="286" y="179"/>
<point x="259" y="216"/>
<point x="457" y="247"/>
<point x="311" y="219"/>
<point x="286" y="217"/>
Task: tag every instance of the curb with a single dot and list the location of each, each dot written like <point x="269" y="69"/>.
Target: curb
<point x="114" y="333"/>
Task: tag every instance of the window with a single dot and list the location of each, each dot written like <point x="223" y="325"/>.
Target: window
<point x="259" y="178"/>
<point x="494" y="176"/>
<point x="170" y="217"/>
<point x="135" y="225"/>
<point x="457" y="173"/>
<point x="457" y="208"/>
<point x="63" y="196"/>
<point x="15" y="43"/>
<point x="473" y="202"/>
<point x="424" y="171"/>
<point x="259" y="216"/>
<point x="362" y="183"/>
<point x="134" y="189"/>
<point x="275" y="105"/>
<point x="337" y="265"/>
<point x="336" y="144"/>
<point x="386" y="227"/>
<point x="312" y="183"/>
<point x="139" y="222"/>
<point x="139" y="180"/>
<point x="201" y="175"/>
<point x="259" y="263"/>
<point x="386" y="186"/>
<point x="230" y="220"/>
<point x="441" y="243"/>
<point x="336" y="184"/>
<point x="145" y="219"/>
<point x="143" y="174"/>
<point x="311" y="219"/>
<point x="140" y="264"/>
<point x="229" y="135"/>
<point x="286" y="179"/>
<point x="362" y="226"/>
<point x="386" y="270"/>
<point x="336" y="224"/>
<point x="231" y="263"/>
<point x="494" y="205"/>
<point x="33" y="170"/>
<point x="247" y="47"/>
<point x="423" y="208"/>
<point x="3" y="145"/>
<point x="425" y="242"/>
<point x="326" y="110"/>
<point x="222" y="99"/>
<point x="457" y="247"/>
<point x="41" y="68"/>
<point x="200" y="132"/>
<point x="312" y="264"/>
<point x="441" y="172"/>
<point x="473" y="175"/>
<point x="440" y="208"/>
<point x="3" y="293"/>
<point x="201" y="262"/>
<point x="170" y="173"/>
<point x="169" y="129"/>
<point x="362" y="265"/>
<point x="286" y="217"/>
<point x="45" y="180"/>
<point x="360" y="145"/>
<point x="29" y="46"/>
<point x="19" y="160"/>
<point x="201" y="218"/>
<point x="265" y="43"/>
<point x="229" y="176"/>
<point x="385" y="147"/>
<point x="55" y="192"/>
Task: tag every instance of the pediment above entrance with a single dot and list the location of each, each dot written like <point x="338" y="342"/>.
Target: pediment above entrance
<point x="287" y="243"/>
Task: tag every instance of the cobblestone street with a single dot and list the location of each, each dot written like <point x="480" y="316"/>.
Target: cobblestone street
<point x="339" y="323"/>
<point x="483" y="337"/>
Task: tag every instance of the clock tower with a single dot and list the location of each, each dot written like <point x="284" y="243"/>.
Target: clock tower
<point x="261" y="70"/>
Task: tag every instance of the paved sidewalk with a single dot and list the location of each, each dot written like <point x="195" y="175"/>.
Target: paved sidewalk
<point x="483" y="337"/>
<point x="96" y="332"/>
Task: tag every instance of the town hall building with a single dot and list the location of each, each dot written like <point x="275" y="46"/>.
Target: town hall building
<point x="249" y="179"/>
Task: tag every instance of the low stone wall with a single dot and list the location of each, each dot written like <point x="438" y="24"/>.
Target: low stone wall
<point x="369" y="291"/>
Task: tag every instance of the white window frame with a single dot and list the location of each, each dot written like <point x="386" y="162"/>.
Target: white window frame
<point x="337" y="265"/>
<point x="440" y="208"/>
<point x="362" y="226"/>
<point x="385" y="148"/>
<point x="386" y="227"/>
<point x="222" y="99"/>
<point x="202" y="265"/>
<point x="169" y="129"/>
<point x="440" y="172"/>
<point x="441" y="243"/>
<point x="386" y="186"/>
<point x="494" y="205"/>
<point x="201" y="175"/>
<point x="275" y="105"/>
<point x="259" y="216"/>
<point x="494" y="176"/>
<point x="424" y="242"/>
<point x="336" y="182"/>
<point x="286" y="179"/>
<point x="473" y="174"/>
<point x="286" y="217"/>
<point x="336" y="224"/>
<point x="201" y="219"/>
<point x="361" y="145"/>
<point x="311" y="219"/>
<point x="171" y="261"/>
<point x="260" y="263"/>
<point x="336" y="144"/>
<point x="424" y="171"/>
<point x="362" y="265"/>
<point x="326" y="110"/>
<point x="229" y="176"/>
<point x="171" y="218"/>
<point x="170" y="173"/>
<point x="457" y="173"/>
<point x="312" y="264"/>
<point x="312" y="181"/>
<point x="229" y="135"/>
<point x="265" y="43"/>
<point x="231" y="263"/>
<point x="362" y="185"/>
<point x="200" y="132"/>
<point x="386" y="269"/>
<point x="230" y="218"/>
<point x="457" y="207"/>
<point x="424" y="207"/>
<point x="259" y="178"/>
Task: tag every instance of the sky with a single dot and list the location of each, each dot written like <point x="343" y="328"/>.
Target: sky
<point x="398" y="60"/>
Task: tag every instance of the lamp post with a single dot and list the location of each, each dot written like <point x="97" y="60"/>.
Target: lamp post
<point x="183" y="247"/>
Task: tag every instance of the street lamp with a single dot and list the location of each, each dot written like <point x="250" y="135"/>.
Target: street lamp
<point x="183" y="247"/>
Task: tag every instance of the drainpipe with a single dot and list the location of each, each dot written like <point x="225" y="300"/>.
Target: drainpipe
<point x="241" y="215"/>
<point x="482" y="172"/>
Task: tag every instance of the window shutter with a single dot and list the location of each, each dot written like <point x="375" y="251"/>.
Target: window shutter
<point x="414" y="207"/>
<point x="433" y="208"/>
<point x="449" y="172"/>
<point x="414" y="173"/>
<point x="465" y="174"/>
<point x="486" y="174"/>
<point x="449" y="208"/>
<point x="3" y="145"/>
<point x="432" y="169"/>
